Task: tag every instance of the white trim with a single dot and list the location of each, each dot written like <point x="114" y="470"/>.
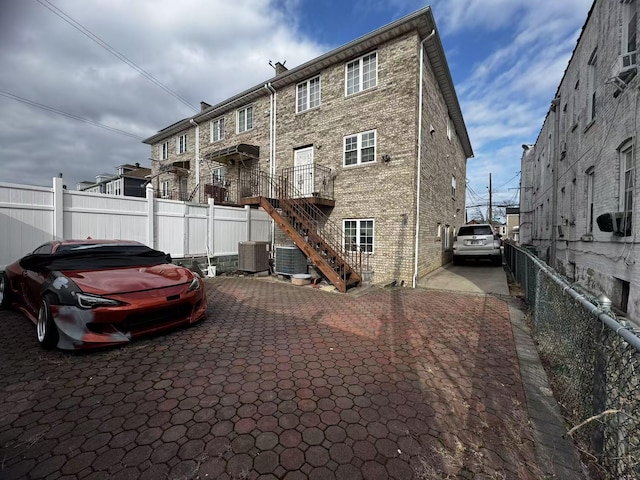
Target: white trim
<point x="164" y="150"/>
<point x="212" y="129"/>
<point x="181" y="147"/>
<point x="245" y="109"/>
<point x="307" y="100"/>
<point x="359" y="88"/>
<point x="358" y="148"/>
<point x="358" y="232"/>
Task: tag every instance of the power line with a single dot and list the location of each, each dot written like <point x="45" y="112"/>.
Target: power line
<point x="69" y="115"/>
<point x="85" y="31"/>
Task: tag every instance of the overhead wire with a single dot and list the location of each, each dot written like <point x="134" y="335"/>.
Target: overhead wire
<point x="85" y="31"/>
<point x="68" y="115"/>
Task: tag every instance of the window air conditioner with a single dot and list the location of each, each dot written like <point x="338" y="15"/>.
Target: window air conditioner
<point x="627" y="66"/>
<point x="618" y="223"/>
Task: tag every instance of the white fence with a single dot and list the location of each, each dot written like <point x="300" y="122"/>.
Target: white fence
<point x="30" y="216"/>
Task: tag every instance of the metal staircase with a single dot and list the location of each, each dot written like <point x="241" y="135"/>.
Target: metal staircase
<point x="321" y="240"/>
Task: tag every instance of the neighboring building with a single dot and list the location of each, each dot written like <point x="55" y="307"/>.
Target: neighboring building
<point x="350" y="134"/>
<point x="578" y="180"/>
<point x="513" y="224"/>
<point x="130" y="181"/>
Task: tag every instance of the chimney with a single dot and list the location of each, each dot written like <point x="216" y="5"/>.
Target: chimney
<point x="204" y="106"/>
<point x="280" y="68"/>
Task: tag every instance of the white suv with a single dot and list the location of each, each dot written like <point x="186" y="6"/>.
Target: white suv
<point x="476" y="241"/>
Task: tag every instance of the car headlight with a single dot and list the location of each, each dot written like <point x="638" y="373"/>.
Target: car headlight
<point x="195" y="284"/>
<point x="86" y="300"/>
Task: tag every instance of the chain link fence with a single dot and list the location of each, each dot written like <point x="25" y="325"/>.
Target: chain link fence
<point x="593" y="364"/>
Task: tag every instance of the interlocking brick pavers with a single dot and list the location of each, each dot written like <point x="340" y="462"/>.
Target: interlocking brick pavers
<point x="278" y="382"/>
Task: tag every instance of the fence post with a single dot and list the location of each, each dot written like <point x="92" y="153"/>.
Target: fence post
<point x="151" y="217"/>
<point x="210" y="226"/>
<point x="248" y="211"/>
<point x="58" y="209"/>
<point x="185" y="230"/>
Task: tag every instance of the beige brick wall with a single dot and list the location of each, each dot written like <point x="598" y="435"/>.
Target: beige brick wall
<point x="382" y="191"/>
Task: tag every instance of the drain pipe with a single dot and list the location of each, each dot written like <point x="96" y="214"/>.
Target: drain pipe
<point x="193" y="122"/>
<point x="419" y="166"/>
<point x="272" y="146"/>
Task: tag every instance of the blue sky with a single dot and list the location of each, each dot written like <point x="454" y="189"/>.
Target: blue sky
<point x="506" y="58"/>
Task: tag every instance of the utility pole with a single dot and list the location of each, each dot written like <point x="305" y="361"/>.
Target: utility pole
<point x="490" y="205"/>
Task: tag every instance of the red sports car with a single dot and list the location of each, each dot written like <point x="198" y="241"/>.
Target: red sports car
<point x="93" y="293"/>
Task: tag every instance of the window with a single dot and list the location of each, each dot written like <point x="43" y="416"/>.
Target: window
<point x="360" y="148"/>
<point x="217" y="129"/>
<point x="629" y="34"/>
<point x="164" y="189"/>
<point x="589" y="200"/>
<point x="450" y="128"/>
<point x="182" y="143"/>
<point x="218" y="175"/>
<point x="439" y="230"/>
<point x="591" y="99"/>
<point x="361" y="74"/>
<point x="447" y="237"/>
<point x="165" y="151"/>
<point x="626" y="180"/>
<point x="453" y="186"/>
<point x="358" y="235"/>
<point x="44" y="249"/>
<point x="244" y="118"/>
<point x="115" y="187"/>
<point x="308" y="95"/>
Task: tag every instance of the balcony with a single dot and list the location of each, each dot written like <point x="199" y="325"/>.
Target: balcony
<point x="313" y="182"/>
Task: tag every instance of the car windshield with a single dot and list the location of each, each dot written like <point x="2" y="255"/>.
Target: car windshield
<point x="95" y="257"/>
<point x="475" y="230"/>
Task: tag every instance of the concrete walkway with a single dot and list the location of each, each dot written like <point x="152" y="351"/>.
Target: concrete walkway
<point x="279" y="382"/>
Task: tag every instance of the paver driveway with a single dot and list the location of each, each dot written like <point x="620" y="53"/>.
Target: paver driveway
<point x="278" y="382"/>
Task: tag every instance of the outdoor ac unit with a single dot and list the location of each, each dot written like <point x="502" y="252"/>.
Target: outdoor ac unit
<point x="619" y="223"/>
<point x="626" y="66"/>
<point x="253" y="256"/>
<point x="290" y="261"/>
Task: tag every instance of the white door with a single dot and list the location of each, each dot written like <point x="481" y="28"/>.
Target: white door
<point x="303" y="171"/>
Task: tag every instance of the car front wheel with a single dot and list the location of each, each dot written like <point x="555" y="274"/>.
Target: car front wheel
<point x="5" y="291"/>
<point x="46" y="327"/>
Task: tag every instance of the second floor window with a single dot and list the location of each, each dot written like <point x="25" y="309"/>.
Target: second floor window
<point x="217" y="129"/>
<point x="244" y="119"/>
<point x="308" y="95"/>
<point x="360" y="148"/>
<point x="591" y="99"/>
<point x="627" y="180"/>
<point x="182" y="143"/>
<point x="165" y="151"/>
<point x="361" y="74"/>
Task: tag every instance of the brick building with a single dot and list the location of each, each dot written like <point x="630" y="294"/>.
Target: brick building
<point x="578" y="188"/>
<point x="369" y="135"/>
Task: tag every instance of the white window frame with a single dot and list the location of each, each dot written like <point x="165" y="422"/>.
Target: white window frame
<point x="114" y="187"/>
<point x="450" y="129"/>
<point x="591" y="90"/>
<point x="438" y="230"/>
<point x="627" y="177"/>
<point x="305" y="101"/>
<point x="164" y="151"/>
<point x="359" y="148"/>
<point x="590" y="203"/>
<point x="359" y="84"/>
<point x="164" y="188"/>
<point x="217" y="130"/>
<point x="181" y="143"/>
<point x="218" y="175"/>
<point x="447" y="237"/>
<point x="358" y="234"/>
<point x="453" y="186"/>
<point x="244" y="126"/>
<point x="629" y="30"/>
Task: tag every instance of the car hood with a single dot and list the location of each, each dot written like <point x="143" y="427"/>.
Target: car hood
<point x="132" y="279"/>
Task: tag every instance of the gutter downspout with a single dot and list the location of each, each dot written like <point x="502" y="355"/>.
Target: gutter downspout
<point x="554" y="192"/>
<point x="193" y="122"/>
<point x="272" y="146"/>
<point x="419" y="166"/>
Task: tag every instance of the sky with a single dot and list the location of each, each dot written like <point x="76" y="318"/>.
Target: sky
<point x="506" y="58"/>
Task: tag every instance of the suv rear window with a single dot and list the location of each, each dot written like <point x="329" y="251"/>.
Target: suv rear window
<point x="475" y="230"/>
